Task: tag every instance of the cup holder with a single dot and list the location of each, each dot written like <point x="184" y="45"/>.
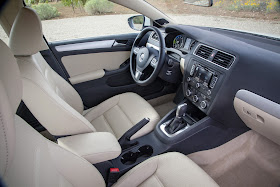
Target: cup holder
<point x="131" y="157"/>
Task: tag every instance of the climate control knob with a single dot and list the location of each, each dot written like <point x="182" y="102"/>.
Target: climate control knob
<point x="189" y="92"/>
<point x="195" y="98"/>
<point x="197" y="85"/>
<point x="203" y="104"/>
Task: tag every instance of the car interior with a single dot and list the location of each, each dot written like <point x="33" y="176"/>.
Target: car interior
<point x="172" y="105"/>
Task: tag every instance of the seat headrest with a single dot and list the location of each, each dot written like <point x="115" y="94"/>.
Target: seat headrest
<point x="26" y="37"/>
<point x="10" y="76"/>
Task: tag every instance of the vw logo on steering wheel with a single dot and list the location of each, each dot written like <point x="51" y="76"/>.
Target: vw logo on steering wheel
<point x="141" y="57"/>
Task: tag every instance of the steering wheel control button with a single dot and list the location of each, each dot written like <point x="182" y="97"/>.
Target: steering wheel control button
<point x="154" y="62"/>
<point x="136" y="50"/>
<point x="189" y="93"/>
<point x="203" y="104"/>
<point x="192" y="70"/>
<point x="195" y="98"/>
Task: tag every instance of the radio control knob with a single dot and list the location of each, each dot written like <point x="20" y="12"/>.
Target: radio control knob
<point x="203" y="104"/>
<point x="195" y="98"/>
<point x="197" y="85"/>
<point x="188" y="79"/>
<point x="189" y="92"/>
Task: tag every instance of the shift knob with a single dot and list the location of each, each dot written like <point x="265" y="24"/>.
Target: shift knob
<point x="181" y="110"/>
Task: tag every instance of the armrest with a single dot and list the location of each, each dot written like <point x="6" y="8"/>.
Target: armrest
<point x="94" y="147"/>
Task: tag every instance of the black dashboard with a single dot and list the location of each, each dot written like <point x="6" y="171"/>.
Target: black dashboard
<point x="217" y="63"/>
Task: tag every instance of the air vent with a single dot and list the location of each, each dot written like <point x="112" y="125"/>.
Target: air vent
<point x="154" y="36"/>
<point x="204" y="52"/>
<point x="223" y="59"/>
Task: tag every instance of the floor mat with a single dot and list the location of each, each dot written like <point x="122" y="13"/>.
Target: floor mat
<point x="163" y="104"/>
<point x="248" y="160"/>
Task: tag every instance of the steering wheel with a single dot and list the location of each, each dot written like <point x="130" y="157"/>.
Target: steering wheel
<point x="146" y="61"/>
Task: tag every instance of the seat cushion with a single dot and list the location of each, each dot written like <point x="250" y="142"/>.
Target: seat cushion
<point x="168" y="170"/>
<point x="119" y="113"/>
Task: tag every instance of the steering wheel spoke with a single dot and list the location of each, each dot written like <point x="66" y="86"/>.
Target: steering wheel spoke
<point x="138" y="74"/>
<point x="153" y="62"/>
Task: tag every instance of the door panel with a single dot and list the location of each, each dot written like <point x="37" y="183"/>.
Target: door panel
<point x="98" y="68"/>
<point x="91" y="66"/>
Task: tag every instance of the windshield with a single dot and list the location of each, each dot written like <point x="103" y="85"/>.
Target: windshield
<point x="253" y="16"/>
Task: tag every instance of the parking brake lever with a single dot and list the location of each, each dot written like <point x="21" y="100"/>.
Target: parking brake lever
<point x="125" y="141"/>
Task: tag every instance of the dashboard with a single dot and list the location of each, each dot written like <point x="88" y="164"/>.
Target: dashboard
<point x="217" y="63"/>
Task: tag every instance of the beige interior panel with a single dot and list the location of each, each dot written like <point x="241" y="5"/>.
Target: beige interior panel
<point x="89" y="64"/>
<point x="87" y="76"/>
<point x="258" y="120"/>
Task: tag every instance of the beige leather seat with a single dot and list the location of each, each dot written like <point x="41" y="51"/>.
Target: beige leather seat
<point x="28" y="159"/>
<point x="56" y="104"/>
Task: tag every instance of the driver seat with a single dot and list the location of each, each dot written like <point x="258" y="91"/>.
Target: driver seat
<point x="56" y="104"/>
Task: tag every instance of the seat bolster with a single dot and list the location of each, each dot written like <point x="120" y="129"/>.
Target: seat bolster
<point x="64" y="121"/>
<point x="169" y="169"/>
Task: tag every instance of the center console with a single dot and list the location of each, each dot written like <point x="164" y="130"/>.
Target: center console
<point x="201" y="84"/>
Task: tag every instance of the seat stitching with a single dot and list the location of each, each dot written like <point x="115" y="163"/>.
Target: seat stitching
<point x="106" y="121"/>
<point x="6" y="142"/>
<point x="158" y="179"/>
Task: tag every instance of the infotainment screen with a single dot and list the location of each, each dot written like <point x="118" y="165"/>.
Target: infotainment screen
<point x="203" y="75"/>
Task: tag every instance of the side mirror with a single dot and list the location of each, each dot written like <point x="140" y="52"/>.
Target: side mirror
<point x="206" y="3"/>
<point x="139" y="22"/>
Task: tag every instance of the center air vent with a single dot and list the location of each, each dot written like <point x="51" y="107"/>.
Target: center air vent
<point x="204" y="51"/>
<point x="223" y="59"/>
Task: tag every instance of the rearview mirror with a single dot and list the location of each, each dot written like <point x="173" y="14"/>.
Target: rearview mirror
<point x="206" y="3"/>
<point x="139" y="22"/>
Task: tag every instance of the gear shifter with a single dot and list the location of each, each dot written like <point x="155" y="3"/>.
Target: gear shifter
<point x="178" y="123"/>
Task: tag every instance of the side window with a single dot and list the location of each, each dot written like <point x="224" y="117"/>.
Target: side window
<point x="3" y="36"/>
<point x="73" y="19"/>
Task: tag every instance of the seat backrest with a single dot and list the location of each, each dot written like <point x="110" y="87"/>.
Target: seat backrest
<point x="27" y="158"/>
<point x="50" y="98"/>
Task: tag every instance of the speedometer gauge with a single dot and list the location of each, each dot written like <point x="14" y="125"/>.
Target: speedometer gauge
<point x="178" y="42"/>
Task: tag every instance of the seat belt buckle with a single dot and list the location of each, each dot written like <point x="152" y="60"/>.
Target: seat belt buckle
<point x="113" y="175"/>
